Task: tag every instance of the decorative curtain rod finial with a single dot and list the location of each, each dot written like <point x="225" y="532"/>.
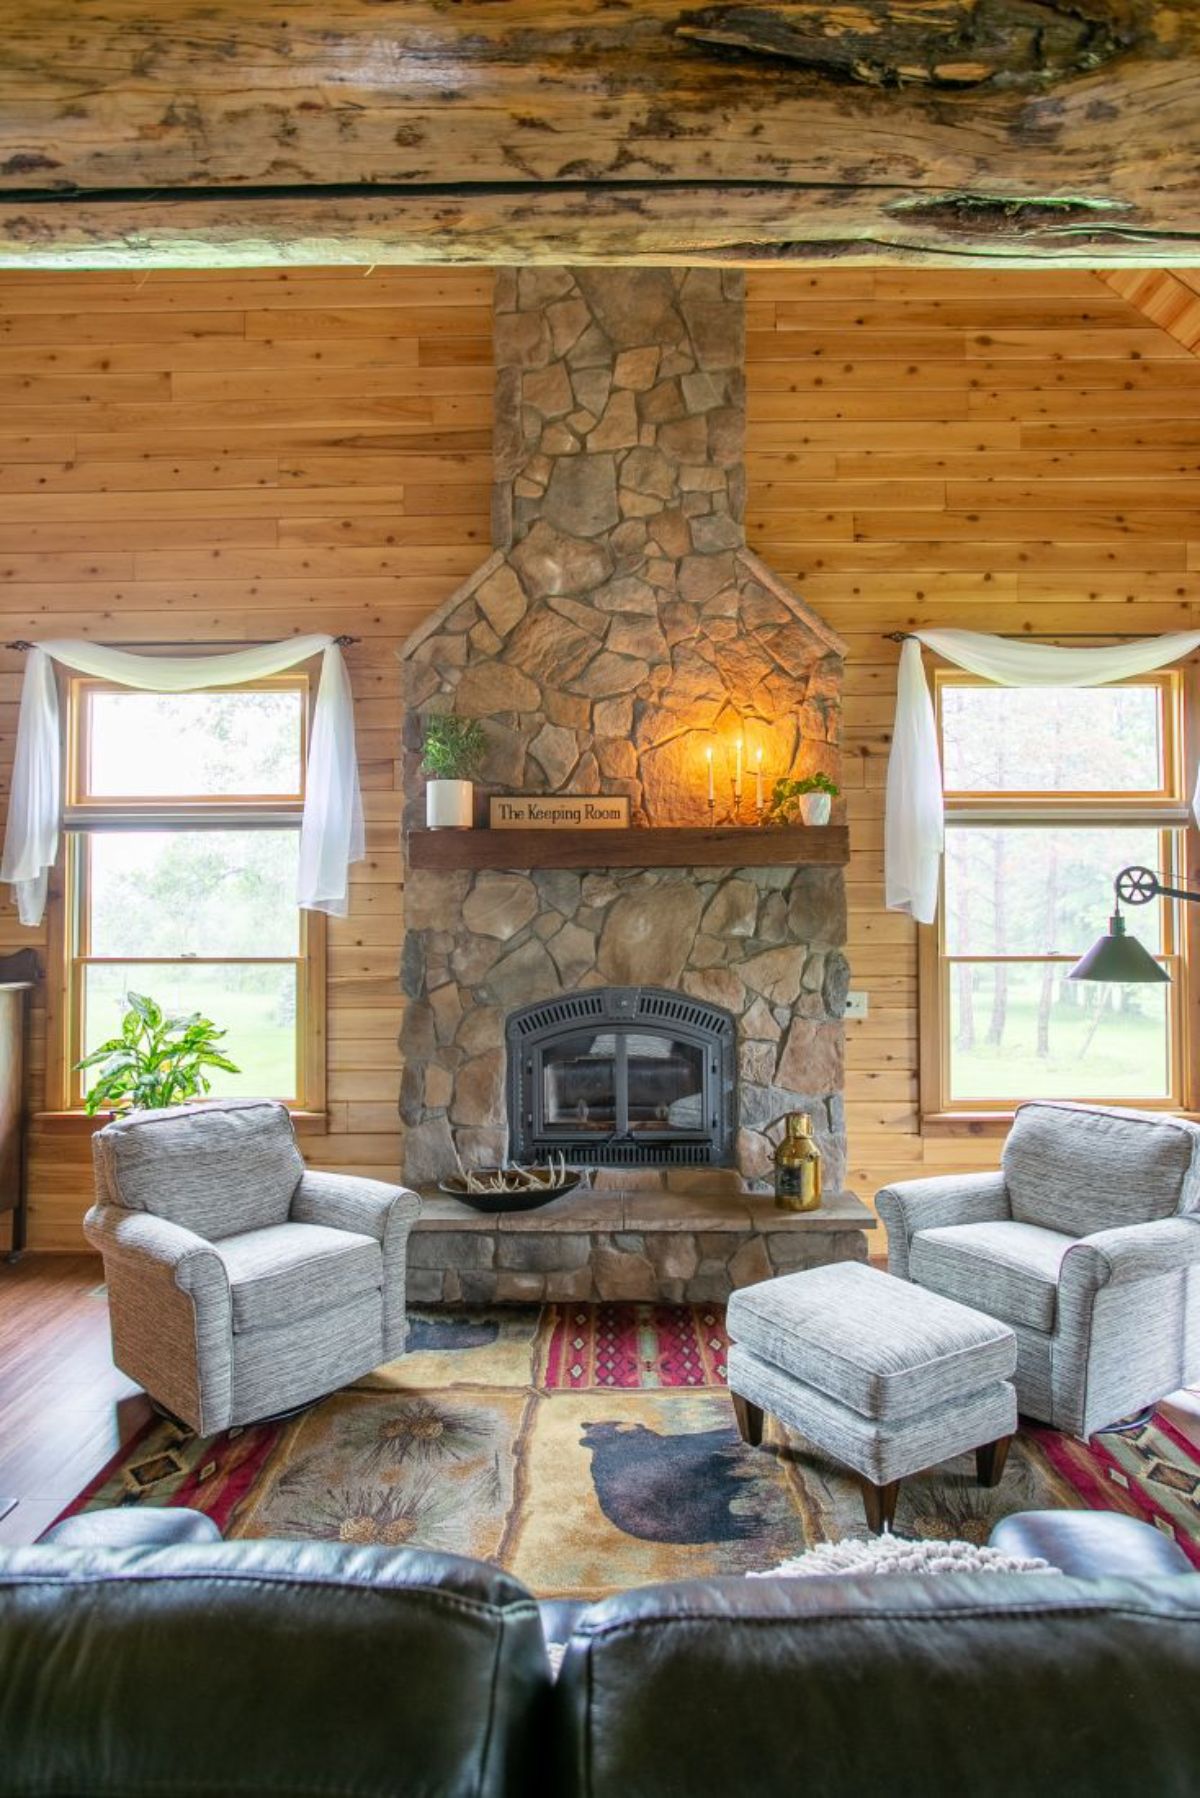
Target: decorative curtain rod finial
<point x="897" y="636"/>
<point x="19" y="644"/>
<point x="344" y="642"/>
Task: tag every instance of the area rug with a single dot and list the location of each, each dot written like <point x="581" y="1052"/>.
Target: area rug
<point x="589" y="1448"/>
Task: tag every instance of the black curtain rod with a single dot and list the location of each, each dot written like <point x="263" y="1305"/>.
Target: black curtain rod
<point x="1039" y="636"/>
<point x="343" y="642"/>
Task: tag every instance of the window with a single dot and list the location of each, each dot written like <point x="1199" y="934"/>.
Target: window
<point x="183" y="815"/>
<point x="1049" y="792"/>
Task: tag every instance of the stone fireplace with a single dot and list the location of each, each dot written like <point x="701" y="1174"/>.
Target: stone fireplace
<point x="619" y="631"/>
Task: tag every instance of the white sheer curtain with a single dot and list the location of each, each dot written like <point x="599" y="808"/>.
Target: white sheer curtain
<point x="913" y="833"/>
<point x="331" y="830"/>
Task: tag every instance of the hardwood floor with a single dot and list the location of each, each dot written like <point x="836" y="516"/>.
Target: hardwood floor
<point x="65" y="1409"/>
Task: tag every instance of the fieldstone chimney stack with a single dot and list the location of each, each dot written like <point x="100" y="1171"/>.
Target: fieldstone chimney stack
<point x="619" y="630"/>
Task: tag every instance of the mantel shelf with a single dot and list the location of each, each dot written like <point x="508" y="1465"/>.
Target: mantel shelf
<point x="732" y="846"/>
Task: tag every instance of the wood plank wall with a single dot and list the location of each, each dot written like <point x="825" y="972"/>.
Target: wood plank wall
<point x="1002" y="452"/>
<point x="244" y="455"/>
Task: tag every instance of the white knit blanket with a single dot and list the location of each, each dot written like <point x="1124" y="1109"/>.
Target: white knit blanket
<point x="890" y="1554"/>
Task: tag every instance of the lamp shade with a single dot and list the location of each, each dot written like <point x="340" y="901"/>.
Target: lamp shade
<point x="1119" y="958"/>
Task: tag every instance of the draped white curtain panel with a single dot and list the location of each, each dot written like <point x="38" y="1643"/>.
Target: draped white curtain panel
<point x="331" y="830"/>
<point x="914" y="829"/>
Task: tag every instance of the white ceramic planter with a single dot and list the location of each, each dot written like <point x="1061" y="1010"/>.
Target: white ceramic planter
<point x="815" y="807"/>
<point x="449" y="804"/>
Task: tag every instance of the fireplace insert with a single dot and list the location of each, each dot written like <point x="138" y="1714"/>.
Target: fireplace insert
<point x="619" y="1076"/>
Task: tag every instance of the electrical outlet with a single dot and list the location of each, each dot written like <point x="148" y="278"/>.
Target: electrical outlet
<point x="857" y="1005"/>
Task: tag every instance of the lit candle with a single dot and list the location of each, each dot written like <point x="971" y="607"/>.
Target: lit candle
<point x="758" y="799"/>
<point x="737" y="772"/>
<point x="708" y="757"/>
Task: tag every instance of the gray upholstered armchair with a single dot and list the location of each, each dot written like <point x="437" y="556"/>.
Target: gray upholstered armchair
<point x="1087" y="1243"/>
<point x="240" y="1282"/>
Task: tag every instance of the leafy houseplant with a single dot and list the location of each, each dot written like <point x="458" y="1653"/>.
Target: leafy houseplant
<point x="157" y="1060"/>
<point x="812" y="795"/>
<point x="452" y="751"/>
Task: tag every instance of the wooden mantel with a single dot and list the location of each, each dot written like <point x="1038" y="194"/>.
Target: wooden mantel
<point x="735" y="846"/>
<point x="227" y="132"/>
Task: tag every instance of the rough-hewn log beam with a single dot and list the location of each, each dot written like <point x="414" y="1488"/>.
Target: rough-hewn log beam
<point x="414" y="130"/>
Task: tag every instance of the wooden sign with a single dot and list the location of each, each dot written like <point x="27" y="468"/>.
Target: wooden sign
<point x="559" y="811"/>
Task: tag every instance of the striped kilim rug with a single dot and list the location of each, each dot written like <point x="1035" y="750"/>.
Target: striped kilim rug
<point x="588" y="1448"/>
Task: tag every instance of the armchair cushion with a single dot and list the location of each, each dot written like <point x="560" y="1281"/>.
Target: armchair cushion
<point x="1082" y="1168"/>
<point x="218" y="1170"/>
<point x="1007" y="1269"/>
<point x="289" y="1271"/>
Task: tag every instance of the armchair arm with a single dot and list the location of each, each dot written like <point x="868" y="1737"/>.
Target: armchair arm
<point x="372" y="1208"/>
<point x="349" y="1202"/>
<point x="913" y="1205"/>
<point x="171" y="1312"/>
<point x="140" y="1236"/>
<point x="1117" y="1348"/>
<point x="1134" y="1252"/>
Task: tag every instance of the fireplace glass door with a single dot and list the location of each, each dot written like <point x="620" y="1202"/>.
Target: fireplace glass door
<point x="579" y="1081"/>
<point x="621" y="1075"/>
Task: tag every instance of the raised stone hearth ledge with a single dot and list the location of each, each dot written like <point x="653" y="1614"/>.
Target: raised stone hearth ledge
<point x="610" y="1244"/>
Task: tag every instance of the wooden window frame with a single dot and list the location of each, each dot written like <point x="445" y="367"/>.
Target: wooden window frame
<point x="85" y="815"/>
<point x="1165" y="808"/>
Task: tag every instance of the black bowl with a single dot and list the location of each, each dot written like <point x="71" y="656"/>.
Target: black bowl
<point x="496" y="1202"/>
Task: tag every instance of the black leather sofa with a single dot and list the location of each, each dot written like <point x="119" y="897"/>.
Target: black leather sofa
<point x="212" y="1669"/>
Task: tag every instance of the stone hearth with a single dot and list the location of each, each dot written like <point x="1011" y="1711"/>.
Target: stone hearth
<point x="620" y="628"/>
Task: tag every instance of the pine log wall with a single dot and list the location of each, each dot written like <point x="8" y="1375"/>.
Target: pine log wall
<point x="240" y="456"/>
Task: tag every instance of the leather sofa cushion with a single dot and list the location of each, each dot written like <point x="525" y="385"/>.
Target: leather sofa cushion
<point x="215" y="1169"/>
<point x="984" y="1684"/>
<point x="1083" y="1168"/>
<point x="885" y="1348"/>
<point x="1009" y="1270"/>
<point x="289" y="1271"/>
<point x="280" y="1669"/>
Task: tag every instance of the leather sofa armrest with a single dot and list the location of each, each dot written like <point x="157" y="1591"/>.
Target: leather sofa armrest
<point x="1091" y="1544"/>
<point x="944" y="1199"/>
<point x="134" y="1526"/>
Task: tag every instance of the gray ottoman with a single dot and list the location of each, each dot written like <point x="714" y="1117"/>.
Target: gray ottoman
<point x="883" y="1376"/>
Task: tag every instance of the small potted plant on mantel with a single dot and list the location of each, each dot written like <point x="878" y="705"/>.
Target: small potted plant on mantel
<point x="812" y="795"/>
<point x="451" y="753"/>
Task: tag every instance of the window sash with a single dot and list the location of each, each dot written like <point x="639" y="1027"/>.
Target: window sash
<point x="1002" y="801"/>
<point x="79" y="958"/>
<point x="81" y="803"/>
<point x="85" y="814"/>
<point x="1164" y="809"/>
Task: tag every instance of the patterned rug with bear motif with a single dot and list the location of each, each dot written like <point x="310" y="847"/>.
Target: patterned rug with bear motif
<point x="588" y="1448"/>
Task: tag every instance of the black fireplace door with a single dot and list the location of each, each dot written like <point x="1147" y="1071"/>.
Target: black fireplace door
<point x="621" y="1075"/>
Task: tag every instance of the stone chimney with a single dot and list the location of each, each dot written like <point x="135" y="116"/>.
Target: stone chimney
<point x="620" y="628"/>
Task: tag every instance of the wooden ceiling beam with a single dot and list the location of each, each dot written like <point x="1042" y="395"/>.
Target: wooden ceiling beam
<point x="133" y="133"/>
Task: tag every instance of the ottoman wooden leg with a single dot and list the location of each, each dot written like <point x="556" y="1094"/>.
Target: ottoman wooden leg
<point x="879" y="1502"/>
<point x="990" y="1459"/>
<point x="749" y="1420"/>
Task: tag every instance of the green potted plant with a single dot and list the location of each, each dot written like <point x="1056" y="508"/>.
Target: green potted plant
<point x="811" y="794"/>
<point x="452" y="751"/>
<point x="157" y="1060"/>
